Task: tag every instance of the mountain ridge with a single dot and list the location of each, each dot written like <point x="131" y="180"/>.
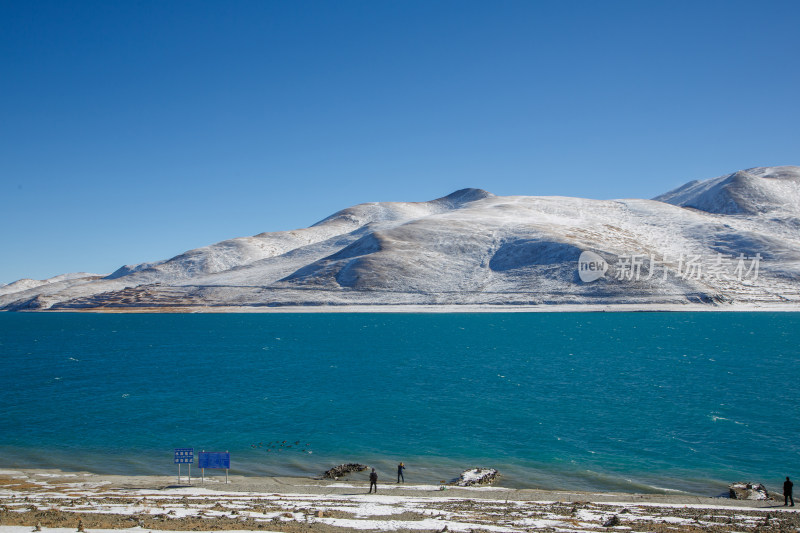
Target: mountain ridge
<point x="474" y="248"/>
<point x="751" y="191"/>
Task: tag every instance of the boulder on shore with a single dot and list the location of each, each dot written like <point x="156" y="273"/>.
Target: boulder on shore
<point x="477" y="476"/>
<point x="611" y="522"/>
<point x="748" y="491"/>
<point x="342" y="470"/>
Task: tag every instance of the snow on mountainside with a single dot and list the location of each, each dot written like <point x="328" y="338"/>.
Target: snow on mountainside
<point x="733" y="239"/>
<point x="235" y="253"/>
<point x="26" y="283"/>
<point x="752" y="191"/>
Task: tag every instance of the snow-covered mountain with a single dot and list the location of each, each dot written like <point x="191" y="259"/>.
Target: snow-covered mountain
<point x="728" y="240"/>
<point x="26" y="284"/>
<point x="753" y="192"/>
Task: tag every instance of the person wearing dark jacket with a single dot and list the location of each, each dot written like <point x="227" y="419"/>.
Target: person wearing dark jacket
<point x="400" y="469"/>
<point x="373" y="481"/>
<point x="787" y="492"/>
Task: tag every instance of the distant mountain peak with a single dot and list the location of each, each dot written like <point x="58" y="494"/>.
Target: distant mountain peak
<point x="787" y="172"/>
<point x="752" y="191"/>
<point x="472" y="247"/>
<point x="463" y="196"/>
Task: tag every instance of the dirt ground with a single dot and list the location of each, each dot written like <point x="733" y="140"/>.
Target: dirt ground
<point x="87" y="502"/>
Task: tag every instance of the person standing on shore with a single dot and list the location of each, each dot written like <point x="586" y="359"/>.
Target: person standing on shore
<point x="787" y="492"/>
<point x="373" y="481"/>
<point x="400" y="469"/>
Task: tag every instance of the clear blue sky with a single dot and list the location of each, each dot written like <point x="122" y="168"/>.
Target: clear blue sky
<point x="132" y="131"/>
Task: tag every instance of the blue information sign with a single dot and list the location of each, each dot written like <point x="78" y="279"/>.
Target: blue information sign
<point x="214" y="460"/>
<point x="184" y="455"/>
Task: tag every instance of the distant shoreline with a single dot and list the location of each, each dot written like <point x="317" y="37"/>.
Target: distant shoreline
<point x="447" y="308"/>
<point x="215" y="480"/>
<point x="53" y="501"/>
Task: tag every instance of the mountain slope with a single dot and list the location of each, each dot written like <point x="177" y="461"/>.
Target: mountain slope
<point x="239" y="252"/>
<point x="732" y="239"/>
<point x="753" y="191"/>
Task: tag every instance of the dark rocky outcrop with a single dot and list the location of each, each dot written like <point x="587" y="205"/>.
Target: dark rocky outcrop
<point x="342" y="470"/>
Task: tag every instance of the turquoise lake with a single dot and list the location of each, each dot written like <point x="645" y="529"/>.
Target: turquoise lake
<point x="641" y="402"/>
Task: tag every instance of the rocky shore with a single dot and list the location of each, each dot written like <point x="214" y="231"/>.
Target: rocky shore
<point x="50" y="500"/>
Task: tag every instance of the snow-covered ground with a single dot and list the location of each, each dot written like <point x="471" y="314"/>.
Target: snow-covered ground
<point x="731" y="242"/>
<point x="60" y="502"/>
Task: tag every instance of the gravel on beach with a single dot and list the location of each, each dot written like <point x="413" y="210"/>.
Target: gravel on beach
<point x="75" y="501"/>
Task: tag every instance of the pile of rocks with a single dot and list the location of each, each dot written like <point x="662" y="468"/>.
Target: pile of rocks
<point x="748" y="491"/>
<point x="342" y="470"/>
<point x="477" y="476"/>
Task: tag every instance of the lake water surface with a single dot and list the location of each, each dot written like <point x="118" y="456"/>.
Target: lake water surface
<point x="592" y="401"/>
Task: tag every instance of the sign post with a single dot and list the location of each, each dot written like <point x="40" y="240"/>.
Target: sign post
<point x="184" y="456"/>
<point x="218" y="460"/>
